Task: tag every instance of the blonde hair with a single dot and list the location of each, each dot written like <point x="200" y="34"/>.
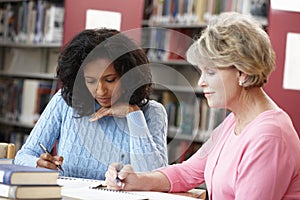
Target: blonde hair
<point x="234" y="39"/>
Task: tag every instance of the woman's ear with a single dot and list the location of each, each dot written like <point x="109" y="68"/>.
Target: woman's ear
<point x="242" y="78"/>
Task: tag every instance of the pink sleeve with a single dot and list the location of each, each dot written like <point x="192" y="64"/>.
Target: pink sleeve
<point x="186" y="175"/>
<point x="255" y="180"/>
<point x="190" y="173"/>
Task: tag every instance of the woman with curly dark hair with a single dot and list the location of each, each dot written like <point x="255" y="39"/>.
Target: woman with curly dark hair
<point x="102" y="111"/>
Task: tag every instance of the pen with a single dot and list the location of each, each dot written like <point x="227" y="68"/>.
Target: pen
<point x="46" y="151"/>
<point x="120" y="167"/>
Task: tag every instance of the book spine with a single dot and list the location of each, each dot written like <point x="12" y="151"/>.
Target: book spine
<point x="6" y="191"/>
<point x="5" y="177"/>
<point x="12" y="192"/>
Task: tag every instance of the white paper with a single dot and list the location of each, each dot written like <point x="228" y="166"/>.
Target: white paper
<point x="291" y="78"/>
<point x="286" y="5"/>
<point x="101" y="19"/>
<point x="72" y="182"/>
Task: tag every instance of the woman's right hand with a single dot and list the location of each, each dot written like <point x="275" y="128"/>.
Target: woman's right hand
<point x="130" y="180"/>
<point x="46" y="160"/>
<point x="126" y="179"/>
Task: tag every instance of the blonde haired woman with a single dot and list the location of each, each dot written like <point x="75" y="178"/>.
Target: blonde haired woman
<point x="254" y="153"/>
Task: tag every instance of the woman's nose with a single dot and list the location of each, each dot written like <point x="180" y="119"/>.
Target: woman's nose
<point x="101" y="89"/>
<point x="201" y="81"/>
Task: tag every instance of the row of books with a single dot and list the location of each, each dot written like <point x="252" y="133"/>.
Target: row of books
<point x="24" y="182"/>
<point x="23" y="100"/>
<point x="181" y="150"/>
<point x="191" y="115"/>
<point x="164" y="44"/>
<point x="200" y="11"/>
<point x="34" y="21"/>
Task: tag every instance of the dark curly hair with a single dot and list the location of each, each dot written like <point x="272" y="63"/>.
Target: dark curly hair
<point x="125" y="55"/>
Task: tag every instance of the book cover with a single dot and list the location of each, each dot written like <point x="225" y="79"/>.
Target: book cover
<point x="25" y="175"/>
<point x="30" y="192"/>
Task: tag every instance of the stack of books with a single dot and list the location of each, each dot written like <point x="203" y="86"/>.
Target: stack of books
<point x="24" y="182"/>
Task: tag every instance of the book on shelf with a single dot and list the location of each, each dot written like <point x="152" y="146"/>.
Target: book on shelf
<point x="39" y="22"/>
<point x="10" y="92"/>
<point x="25" y="175"/>
<point x="54" y="20"/>
<point x="36" y="95"/>
<point x="44" y="93"/>
<point x="30" y="88"/>
<point x="30" y="191"/>
<point x="31" y="11"/>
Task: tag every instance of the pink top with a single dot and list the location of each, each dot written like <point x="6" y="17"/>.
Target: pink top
<point x="263" y="162"/>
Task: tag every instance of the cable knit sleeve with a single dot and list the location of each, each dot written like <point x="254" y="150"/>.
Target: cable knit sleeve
<point x="46" y="131"/>
<point x="148" y="142"/>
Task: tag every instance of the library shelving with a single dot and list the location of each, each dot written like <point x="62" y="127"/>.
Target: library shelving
<point x="31" y="34"/>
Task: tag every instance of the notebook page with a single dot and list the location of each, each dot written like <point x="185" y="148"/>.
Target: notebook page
<point x="72" y="182"/>
<point x="100" y="194"/>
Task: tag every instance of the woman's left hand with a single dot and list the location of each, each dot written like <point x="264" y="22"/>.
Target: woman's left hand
<point x="118" y="110"/>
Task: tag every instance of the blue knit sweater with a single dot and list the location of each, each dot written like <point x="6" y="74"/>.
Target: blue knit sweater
<point x="89" y="147"/>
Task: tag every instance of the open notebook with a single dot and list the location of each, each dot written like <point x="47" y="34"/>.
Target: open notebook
<point x="95" y="189"/>
<point x="92" y="189"/>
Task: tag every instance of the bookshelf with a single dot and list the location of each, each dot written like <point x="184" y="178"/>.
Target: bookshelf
<point x="169" y="27"/>
<point x="30" y="39"/>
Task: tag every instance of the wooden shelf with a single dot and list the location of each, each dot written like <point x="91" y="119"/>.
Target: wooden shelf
<point x="8" y="122"/>
<point x="178" y="88"/>
<point x="36" y="76"/>
<point x="171" y="62"/>
<point x="30" y="45"/>
<point x="200" y="136"/>
<point x="7" y="1"/>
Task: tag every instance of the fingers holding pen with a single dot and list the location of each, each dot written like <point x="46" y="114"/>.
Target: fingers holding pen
<point x="58" y="160"/>
<point x="46" y="160"/>
<point x="111" y="176"/>
<point x="122" y="180"/>
<point x="128" y="178"/>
